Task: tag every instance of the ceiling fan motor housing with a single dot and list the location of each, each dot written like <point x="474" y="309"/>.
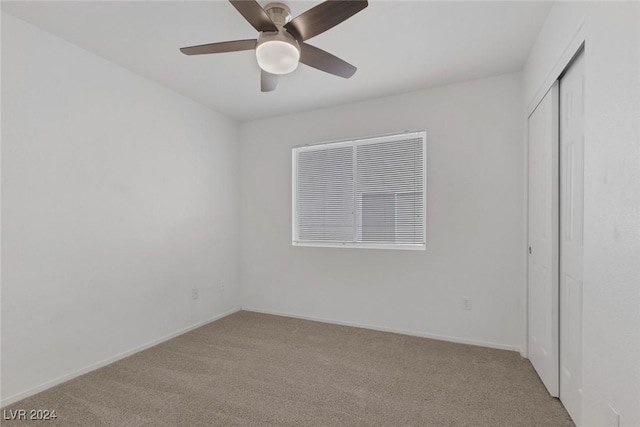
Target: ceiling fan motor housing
<point x="279" y="13"/>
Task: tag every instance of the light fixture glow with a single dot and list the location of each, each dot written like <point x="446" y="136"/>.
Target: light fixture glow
<point x="277" y="56"/>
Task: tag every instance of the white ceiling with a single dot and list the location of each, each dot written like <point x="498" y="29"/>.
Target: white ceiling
<point x="398" y="46"/>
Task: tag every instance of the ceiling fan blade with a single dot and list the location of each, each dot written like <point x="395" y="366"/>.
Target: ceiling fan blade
<point x="323" y="17"/>
<point x="268" y="81"/>
<point x="324" y="61"/>
<point x="221" y="47"/>
<point x="254" y="14"/>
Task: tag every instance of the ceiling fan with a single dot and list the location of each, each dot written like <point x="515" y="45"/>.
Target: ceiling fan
<point x="280" y="46"/>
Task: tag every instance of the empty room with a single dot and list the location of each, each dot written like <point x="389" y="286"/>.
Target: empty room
<point x="320" y="213"/>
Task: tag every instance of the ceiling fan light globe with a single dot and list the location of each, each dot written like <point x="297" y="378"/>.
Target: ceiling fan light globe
<point x="277" y="56"/>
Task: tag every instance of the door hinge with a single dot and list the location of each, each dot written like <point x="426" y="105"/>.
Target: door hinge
<point x="529" y="250"/>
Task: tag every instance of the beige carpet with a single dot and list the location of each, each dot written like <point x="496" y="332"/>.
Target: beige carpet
<point x="254" y="369"/>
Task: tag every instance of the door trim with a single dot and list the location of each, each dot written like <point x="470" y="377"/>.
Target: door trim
<point x="570" y="51"/>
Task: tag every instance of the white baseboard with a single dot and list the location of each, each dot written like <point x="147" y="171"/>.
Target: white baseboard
<point x="42" y="387"/>
<point x="392" y="330"/>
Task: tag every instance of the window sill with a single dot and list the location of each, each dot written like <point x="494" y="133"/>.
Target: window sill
<point x="405" y="246"/>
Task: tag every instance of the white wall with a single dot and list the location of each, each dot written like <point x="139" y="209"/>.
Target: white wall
<point x="611" y="293"/>
<point x="475" y="219"/>
<point x="119" y="196"/>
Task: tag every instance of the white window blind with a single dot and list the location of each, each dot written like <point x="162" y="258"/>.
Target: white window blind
<point x="362" y="193"/>
<point x="325" y="195"/>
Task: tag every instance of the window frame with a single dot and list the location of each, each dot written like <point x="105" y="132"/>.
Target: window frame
<point x="400" y="136"/>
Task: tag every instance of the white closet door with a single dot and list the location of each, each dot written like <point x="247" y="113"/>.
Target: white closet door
<point x="543" y="240"/>
<point x="571" y="235"/>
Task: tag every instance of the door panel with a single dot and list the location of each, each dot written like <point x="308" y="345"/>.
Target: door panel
<point x="543" y="240"/>
<point x="571" y="235"/>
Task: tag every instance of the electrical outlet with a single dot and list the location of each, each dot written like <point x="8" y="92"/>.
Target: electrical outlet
<point x="222" y="288"/>
<point x="466" y="303"/>
<point x="195" y="293"/>
<point x="613" y="418"/>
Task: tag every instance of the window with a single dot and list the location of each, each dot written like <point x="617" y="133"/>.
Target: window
<point x="364" y="193"/>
